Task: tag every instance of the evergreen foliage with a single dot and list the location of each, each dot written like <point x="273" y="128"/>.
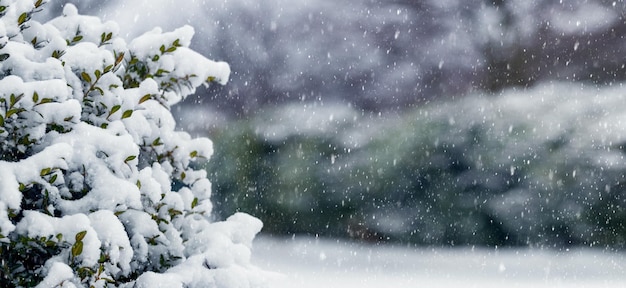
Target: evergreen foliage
<point x="97" y="189"/>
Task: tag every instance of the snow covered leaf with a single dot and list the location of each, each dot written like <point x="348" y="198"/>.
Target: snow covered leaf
<point x="97" y="187"/>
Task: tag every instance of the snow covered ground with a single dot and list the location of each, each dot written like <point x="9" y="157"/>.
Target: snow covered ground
<point x="308" y="262"/>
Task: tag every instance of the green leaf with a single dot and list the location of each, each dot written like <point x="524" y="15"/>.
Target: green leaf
<point x="173" y="212"/>
<point x="171" y="49"/>
<point x="108" y="68"/>
<point x="80" y="235"/>
<point x="14" y="99"/>
<point x="1" y="121"/>
<point x="193" y="154"/>
<point x="210" y="79"/>
<point x="86" y="76"/>
<point x="119" y="59"/>
<point x="97" y="73"/>
<point x="23" y="17"/>
<point x="160" y="72"/>
<point x="157" y="142"/>
<point x="138" y="184"/>
<point x="45" y="100"/>
<point x="38" y="3"/>
<point x="130" y="158"/>
<point x="2" y="8"/>
<point x="114" y="109"/>
<point x="53" y="179"/>
<point x="85" y="272"/>
<point x="45" y="171"/>
<point x="35" y="97"/>
<point x="77" y="38"/>
<point x="14" y="111"/>
<point x="162" y="49"/>
<point x="99" y="90"/>
<point x="50" y="243"/>
<point x="176" y="43"/>
<point x="145" y="98"/>
<point x="58" y="53"/>
<point x="155" y="58"/>
<point x="127" y="114"/>
<point x="77" y="248"/>
<point x="194" y="203"/>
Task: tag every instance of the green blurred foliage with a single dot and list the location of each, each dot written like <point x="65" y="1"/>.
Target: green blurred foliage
<point x="439" y="175"/>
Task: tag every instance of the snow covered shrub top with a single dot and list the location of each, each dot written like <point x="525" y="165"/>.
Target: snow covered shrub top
<point x="96" y="186"/>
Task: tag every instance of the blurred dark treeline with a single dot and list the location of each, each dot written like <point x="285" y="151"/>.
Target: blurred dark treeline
<point x="359" y="118"/>
<point x="381" y="55"/>
<point x="542" y="167"/>
<point x="394" y="55"/>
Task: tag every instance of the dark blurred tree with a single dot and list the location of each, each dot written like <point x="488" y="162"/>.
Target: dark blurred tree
<point x="394" y="54"/>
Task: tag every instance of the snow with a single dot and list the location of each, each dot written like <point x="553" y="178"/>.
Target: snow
<point x="84" y="121"/>
<point x="308" y="262"/>
<point x="588" y="17"/>
<point x="36" y="224"/>
<point x="178" y="65"/>
<point x="113" y="237"/>
<point x="135" y="214"/>
<point x="26" y="171"/>
<point x="59" y="273"/>
<point x="302" y="119"/>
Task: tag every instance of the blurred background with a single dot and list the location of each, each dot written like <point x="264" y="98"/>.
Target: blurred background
<point x="431" y="122"/>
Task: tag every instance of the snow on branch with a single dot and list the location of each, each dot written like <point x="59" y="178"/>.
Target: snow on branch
<point x="97" y="188"/>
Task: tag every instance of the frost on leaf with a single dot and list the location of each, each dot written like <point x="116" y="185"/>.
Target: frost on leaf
<point x="97" y="188"/>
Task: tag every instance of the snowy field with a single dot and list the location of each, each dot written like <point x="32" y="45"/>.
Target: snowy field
<point x="310" y="262"/>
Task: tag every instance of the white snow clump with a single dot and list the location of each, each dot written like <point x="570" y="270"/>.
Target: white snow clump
<point x="97" y="188"/>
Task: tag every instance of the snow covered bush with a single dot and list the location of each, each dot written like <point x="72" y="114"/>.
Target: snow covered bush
<point x="97" y="188"/>
<point x="540" y="167"/>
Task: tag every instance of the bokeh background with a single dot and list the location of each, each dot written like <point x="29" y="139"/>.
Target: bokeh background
<point x="436" y="122"/>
